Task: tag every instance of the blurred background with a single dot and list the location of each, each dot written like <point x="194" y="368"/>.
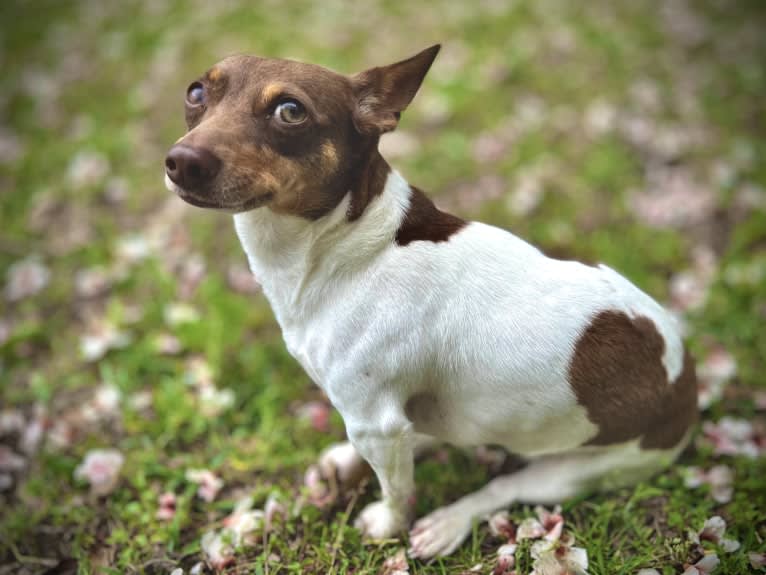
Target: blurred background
<point x="630" y="133"/>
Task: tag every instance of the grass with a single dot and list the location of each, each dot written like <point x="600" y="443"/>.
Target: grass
<point x="103" y="82"/>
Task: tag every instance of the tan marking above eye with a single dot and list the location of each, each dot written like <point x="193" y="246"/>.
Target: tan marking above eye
<point x="214" y="75"/>
<point x="271" y="92"/>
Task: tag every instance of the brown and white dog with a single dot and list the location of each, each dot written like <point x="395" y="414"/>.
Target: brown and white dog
<point x="419" y="326"/>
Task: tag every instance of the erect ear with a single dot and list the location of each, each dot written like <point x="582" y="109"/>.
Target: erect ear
<point x="383" y="93"/>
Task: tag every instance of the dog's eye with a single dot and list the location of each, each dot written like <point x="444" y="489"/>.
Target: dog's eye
<point x="195" y="95"/>
<point x="290" y="112"/>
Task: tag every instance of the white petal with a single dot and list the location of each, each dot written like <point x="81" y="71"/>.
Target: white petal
<point x="507" y="549"/>
<point x="499" y="524"/>
<point x="713" y="529"/>
<point x="577" y="559"/>
<point x="708" y="563"/>
<point x="530" y="528"/>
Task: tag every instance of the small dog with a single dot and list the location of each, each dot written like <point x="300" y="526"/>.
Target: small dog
<point x="419" y="326"/>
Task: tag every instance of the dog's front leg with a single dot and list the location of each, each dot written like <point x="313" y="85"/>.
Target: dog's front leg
<point x="389" y="449"/>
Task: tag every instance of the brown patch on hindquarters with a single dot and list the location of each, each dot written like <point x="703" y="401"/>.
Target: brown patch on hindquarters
<point x="617" y="374"/>
<point x="425" y="222"/>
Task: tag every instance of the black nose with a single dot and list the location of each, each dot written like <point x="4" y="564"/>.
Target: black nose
<point x="191" y="167"/>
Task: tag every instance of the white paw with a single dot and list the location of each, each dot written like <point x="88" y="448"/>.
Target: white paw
<point x="379" y="521"/>
<point x="342" y="461"/>
<point x="439" y="533"/>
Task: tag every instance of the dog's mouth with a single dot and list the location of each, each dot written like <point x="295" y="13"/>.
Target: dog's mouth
<point x="195" y="200"/>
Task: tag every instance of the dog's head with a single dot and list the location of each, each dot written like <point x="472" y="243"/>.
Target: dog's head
<point x="292" y="136"/>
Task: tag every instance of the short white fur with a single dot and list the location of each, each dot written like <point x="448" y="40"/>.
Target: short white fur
<point x="482" y="327"/>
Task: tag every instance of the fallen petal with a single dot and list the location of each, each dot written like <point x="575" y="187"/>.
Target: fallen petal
<point x="167" y="506"/>
<point x="713" y="529"/>
<point x="25" y="278"/>
<point x="209" y="483"/>
<point x="218" y="552"/>
<point x="273" y="509"/>
<point x="214" y="401"/>
<point x="500" y="526"/>
<point x="101" y="469"/>
<point x="396" y="564"/>
<point x="318" y="413"/>
<point x="708" y="563"/>
<point x="530" y="528"/>
<point x="757" y="560"/>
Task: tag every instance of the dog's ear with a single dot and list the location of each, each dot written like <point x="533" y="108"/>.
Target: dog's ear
<point x="383" y="93"/>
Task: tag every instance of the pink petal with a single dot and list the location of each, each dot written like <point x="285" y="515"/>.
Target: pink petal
<point x="501" y="526"/>
<point x="318" y="492"/>
<point x="242" y="280"/>
<point x="694" y="477"/>
<point x="576" y="559"/>
<point x="209" y="483"/>
<point x="165" y="513"/>
<point x="396" y="564"/>
<point x="530" y="528"/>
<point x="722" y="493"/>
<point x="25" y="278"/>
<point x="730" y="545"/>
<point x="167" y="506"/>
<point x="507" y="550"/>
<point x="318" y="413"/>
<point x="505" y="564"/>
<point x="708" y="563"/>
<point x="218" y="553"/>
<point x="101" y="468"/>
<point x="713" y="529"/>
<point x="272" y="509"/>
<point x="757" y="560"/>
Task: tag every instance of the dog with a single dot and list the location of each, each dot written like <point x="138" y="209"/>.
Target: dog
<point x="419" y="326"/>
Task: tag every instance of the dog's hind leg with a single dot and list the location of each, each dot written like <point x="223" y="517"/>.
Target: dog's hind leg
<point x="547" y="480"/>
<point x="343" y="461"/>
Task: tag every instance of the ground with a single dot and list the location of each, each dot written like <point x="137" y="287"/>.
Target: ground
<point x="630" y="133"/>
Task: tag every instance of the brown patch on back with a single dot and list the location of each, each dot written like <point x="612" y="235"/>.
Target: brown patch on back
<point x="617" y="374"/>
<point x="425" y="222"/>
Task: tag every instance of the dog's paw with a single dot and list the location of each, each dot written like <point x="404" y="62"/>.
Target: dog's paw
<point x="342" y="461"/>
<point x="379" y="521"/>
<point x="439" y="533"/>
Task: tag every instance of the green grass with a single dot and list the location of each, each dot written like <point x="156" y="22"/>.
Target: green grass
<point x="108" y="80"/>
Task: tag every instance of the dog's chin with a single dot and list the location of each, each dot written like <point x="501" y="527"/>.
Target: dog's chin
<point x="195" y="200"/>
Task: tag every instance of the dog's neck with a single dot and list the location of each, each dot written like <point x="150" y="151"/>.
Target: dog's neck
<point x="296" y="259"/>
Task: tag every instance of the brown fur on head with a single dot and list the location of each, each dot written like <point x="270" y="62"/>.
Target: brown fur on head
<point x="242" y="151"/>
